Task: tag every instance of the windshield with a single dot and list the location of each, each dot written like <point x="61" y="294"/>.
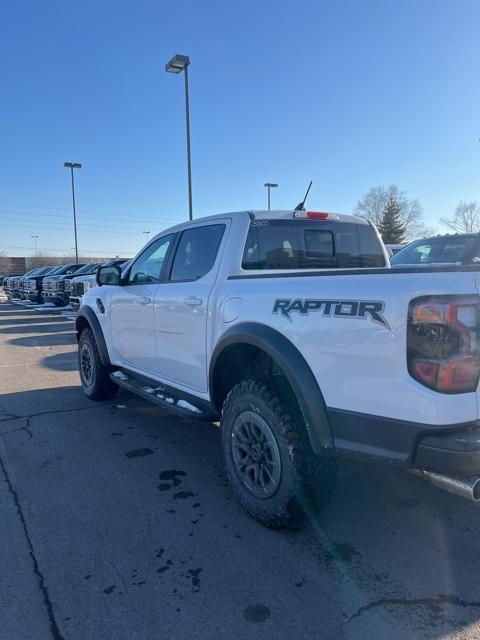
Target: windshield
<point x="56" y="270"/>
<point x="88" y="268"/>
<point x="65" y="269"/>
<point x="460" y="250"/>
<point x="295" y="244"/>
<point x="42" y="271"/>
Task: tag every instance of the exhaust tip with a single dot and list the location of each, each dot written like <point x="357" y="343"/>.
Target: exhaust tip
<point x="476" y="490"/>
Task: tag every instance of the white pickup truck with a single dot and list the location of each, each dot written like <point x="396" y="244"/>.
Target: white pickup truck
<point x="291" y="329"/>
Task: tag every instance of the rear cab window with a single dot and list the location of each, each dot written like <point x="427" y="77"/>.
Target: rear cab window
<point x="309" y="244"/>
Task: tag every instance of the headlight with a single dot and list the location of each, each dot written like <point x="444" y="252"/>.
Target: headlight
<point x="88" y="285"/>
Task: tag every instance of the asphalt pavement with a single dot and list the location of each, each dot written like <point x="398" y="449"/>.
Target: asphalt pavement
<point x="117" y="523"/>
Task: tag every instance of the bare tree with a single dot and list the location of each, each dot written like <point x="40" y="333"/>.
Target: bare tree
<point x="466" y="218"/>
<point x="40" y="259"/>
<point x="4" y="263"/>
<point x="374" y="204"/>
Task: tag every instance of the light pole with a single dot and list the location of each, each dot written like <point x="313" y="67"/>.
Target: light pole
<point x="177" y="64"/>
<point x="72" y="166"/>
<point x="270" y="185"/>
<point x="34" y="241"/>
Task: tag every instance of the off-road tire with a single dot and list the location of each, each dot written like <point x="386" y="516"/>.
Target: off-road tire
<point x="98" y="385"/>
<point x="307" y="481"/>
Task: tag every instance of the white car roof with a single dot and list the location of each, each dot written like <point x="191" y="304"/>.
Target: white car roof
<point x="278" y="214"/>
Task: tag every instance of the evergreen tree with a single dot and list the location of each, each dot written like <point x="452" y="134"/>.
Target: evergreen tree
<point x="391" y="227"/>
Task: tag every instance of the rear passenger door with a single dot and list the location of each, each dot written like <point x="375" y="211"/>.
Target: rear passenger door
<point x="182" y="304"/>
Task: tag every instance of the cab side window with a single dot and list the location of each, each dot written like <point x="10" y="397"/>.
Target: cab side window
<point x="196" y="252"/>
<point x="147" y="268"/>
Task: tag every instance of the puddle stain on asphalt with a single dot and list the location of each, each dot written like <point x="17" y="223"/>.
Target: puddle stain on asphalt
<point x="162" y="569"/>
<point x="172" y="475"/>
<point x="256" y="613"/>
<point x="110" y="589"/>
<point x="182" y="495"/>
<point x="138" y="453"/>
<point x="174" y="479"/>
<point x="195" y="576"/>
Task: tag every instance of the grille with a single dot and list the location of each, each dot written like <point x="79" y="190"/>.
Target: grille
<point x="48" y="286"/>
<point x="66" y="285"/>
<point x="77" y="288"/>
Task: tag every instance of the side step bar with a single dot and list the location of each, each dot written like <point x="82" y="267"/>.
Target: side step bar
<point x="161" y="396"/>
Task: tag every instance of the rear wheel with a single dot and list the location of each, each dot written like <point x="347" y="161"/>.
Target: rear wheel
<point x="268" y="459"/>
<point x="94" y="376"/>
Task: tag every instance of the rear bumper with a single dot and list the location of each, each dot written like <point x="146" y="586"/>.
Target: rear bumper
<point x="456" y="453"/>
<point x="451" y="449"/>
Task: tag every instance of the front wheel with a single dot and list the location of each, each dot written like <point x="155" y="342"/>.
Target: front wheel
<point x="268" y="459"/>
<point x="94" y="376"/>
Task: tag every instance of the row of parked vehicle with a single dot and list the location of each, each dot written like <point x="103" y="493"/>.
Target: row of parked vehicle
<point x="60" y="285"/>
<point x="66" y="284"/>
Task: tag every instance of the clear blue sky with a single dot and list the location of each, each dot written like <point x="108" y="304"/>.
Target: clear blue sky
<point x="349" y="93"/>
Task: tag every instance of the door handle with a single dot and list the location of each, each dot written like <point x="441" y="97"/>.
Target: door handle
<point x="193" y="301"/>
<point x="144" y="300"/>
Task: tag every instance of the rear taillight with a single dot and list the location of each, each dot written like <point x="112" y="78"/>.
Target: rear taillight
<point x="443" y="352"/>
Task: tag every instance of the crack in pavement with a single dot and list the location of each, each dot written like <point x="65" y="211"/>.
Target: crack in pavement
<point x="422" y="602"/>
<point x="8" y="416"/>
<point x="6" y="433"/>
<point x="55" y="631"/>
<point x="29" y="417"/>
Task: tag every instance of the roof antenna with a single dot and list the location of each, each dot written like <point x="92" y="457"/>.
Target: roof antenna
<point x="301" y="205"/>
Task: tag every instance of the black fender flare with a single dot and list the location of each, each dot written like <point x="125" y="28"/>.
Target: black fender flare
<point x="87" y="314"/>
<point x="295" y="368"/>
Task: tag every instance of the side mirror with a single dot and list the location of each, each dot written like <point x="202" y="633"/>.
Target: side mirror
<point x="109" y="275"/>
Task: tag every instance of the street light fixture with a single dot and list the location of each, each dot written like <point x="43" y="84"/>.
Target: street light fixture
<point x="34" y="236"/>
<point x="176" y="65"/>
<point x="146" y="233"/>
<point x="270" y="185"/>
<point x="72" y="166"/>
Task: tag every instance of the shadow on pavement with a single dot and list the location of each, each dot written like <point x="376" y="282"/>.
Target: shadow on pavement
<point x="50" y="340"/>
<point x="61" y="361"/>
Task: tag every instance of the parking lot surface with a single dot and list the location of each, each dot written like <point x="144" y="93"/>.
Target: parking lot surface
<point x="117" y="523"/>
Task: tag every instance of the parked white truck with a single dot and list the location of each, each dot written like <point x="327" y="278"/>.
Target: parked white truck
<point x="290" y="327"/>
